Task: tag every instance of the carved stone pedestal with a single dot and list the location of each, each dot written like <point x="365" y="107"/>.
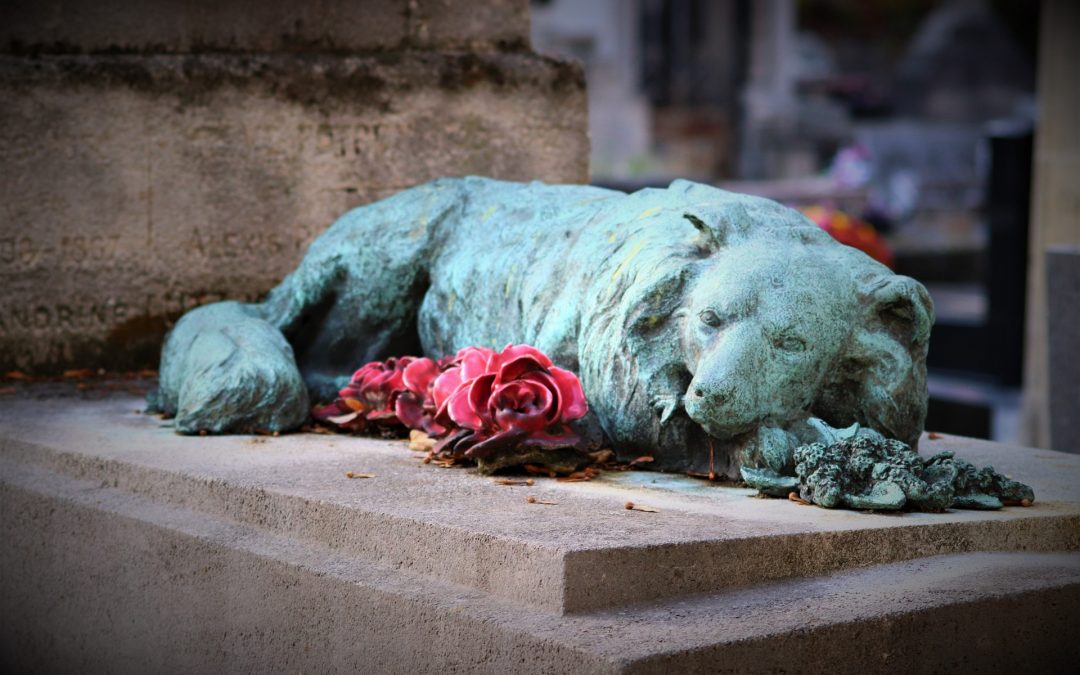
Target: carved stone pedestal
<point x="129" y="548"/>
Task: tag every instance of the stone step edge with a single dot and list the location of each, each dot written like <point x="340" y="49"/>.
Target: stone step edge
<point x="816" y="623"/>
<point x="558" y="580"/>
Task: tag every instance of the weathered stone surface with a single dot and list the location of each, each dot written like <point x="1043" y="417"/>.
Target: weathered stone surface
<point x="128" y="547"/>
<point x="137" y="187"/>
<point x="160" y="26"/>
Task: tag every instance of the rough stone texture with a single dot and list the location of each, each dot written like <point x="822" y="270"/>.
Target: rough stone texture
<point x="137" y="186"/>
<point x="128" y="547"/>
<point x="1063" y="338"/>
<point x="171" y="26"/>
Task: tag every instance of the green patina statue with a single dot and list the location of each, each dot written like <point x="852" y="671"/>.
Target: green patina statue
<point x="709" y="329"/>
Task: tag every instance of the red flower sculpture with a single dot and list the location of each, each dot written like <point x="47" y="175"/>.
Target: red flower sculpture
<point x="415" y="407"/>
<point x="513" y="398"/>
<point x="370" y="396"/>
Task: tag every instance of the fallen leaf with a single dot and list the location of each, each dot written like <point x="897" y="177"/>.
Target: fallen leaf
<point x="534" y="500"/>
<point x="420" y="441"/>
<point x="17" y="375"/>
<point x="794" y="496"/>
<point x="78" y="373"/>
<point x="539" y="470"/>
<point x="639" y="507"/>
<point x="588" y="473"/>
<point x="602" y="456"/>
<point x="353" y="474"/>
<point x="697" y="474"/>
<point x="644" y="459"/>
<point x="343" y="419"/>
<point x="933" y="435"/>
<point x="511" y="481"/>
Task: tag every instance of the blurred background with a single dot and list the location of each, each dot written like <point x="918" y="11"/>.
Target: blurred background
<point x="903" y="127"/>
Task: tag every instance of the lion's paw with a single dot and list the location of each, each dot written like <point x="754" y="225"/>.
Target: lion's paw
<point x="666" y="404"/>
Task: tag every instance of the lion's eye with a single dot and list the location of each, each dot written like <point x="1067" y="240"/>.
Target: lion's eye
<point x="790" y="343"/>
<point x="710" y="318"/>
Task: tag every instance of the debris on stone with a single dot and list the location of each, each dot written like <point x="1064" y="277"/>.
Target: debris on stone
<point x="354" y="474"/>
<point x="419" y="441"/>
<point x="511" y="481"/>
<point x="588" y="473"/>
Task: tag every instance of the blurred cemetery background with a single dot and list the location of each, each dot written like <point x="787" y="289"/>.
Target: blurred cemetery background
<point x="905" y="127"/>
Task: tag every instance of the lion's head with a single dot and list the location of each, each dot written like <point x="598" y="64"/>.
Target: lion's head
<point x="739" y="314"/>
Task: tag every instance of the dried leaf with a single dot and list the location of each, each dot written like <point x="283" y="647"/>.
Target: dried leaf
<point x="646" y="509"/>
<point x="602" y="456"/>
<point x="539" y="470"/>
<point x="78" y="373"/>
<point x="533" y="500"/>
<point x="343" y="419"/>
<point x="933" y="435"/>
<point x="420" y="441"/>
<point x="794" y="496"/>
<point x="588" y="473"/>
<point x="17" y="375"/>
<point x="697" y="474"/>
<point x="511" y="481"/>
<point x="644" y="459"/>
<point x="353" y="474"/>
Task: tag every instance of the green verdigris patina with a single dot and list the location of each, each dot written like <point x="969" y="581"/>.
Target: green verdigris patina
<point x="861" y="469"/>
<point x="708" y="328"/>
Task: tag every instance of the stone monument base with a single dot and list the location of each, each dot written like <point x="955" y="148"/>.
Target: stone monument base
<point x="130" y="548"/>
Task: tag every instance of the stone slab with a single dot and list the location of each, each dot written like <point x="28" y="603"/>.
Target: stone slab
<point x="137" y="187"/>
<point x="131" y="549"/>
<point x="585" y="553"/>
<point x="128" y="548"/>
<point x="283" y="26"/>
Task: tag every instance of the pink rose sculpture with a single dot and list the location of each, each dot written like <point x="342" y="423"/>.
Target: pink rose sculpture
<point x="370" y="396"/>
<point x="415" y="406"/>
<point x="513" y="399"/>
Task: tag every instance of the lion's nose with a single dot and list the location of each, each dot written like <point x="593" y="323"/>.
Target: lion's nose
<point x="715" y="397"/>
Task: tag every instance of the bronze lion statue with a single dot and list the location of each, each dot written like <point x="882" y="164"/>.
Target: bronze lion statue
<point x="707" y="327"/>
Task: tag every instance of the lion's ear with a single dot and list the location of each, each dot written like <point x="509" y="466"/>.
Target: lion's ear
<point x="711" y="239"/>
<point x="903" y="308"/>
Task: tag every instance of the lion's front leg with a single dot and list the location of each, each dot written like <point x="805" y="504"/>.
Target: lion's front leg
<point x="225" y="370"/>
